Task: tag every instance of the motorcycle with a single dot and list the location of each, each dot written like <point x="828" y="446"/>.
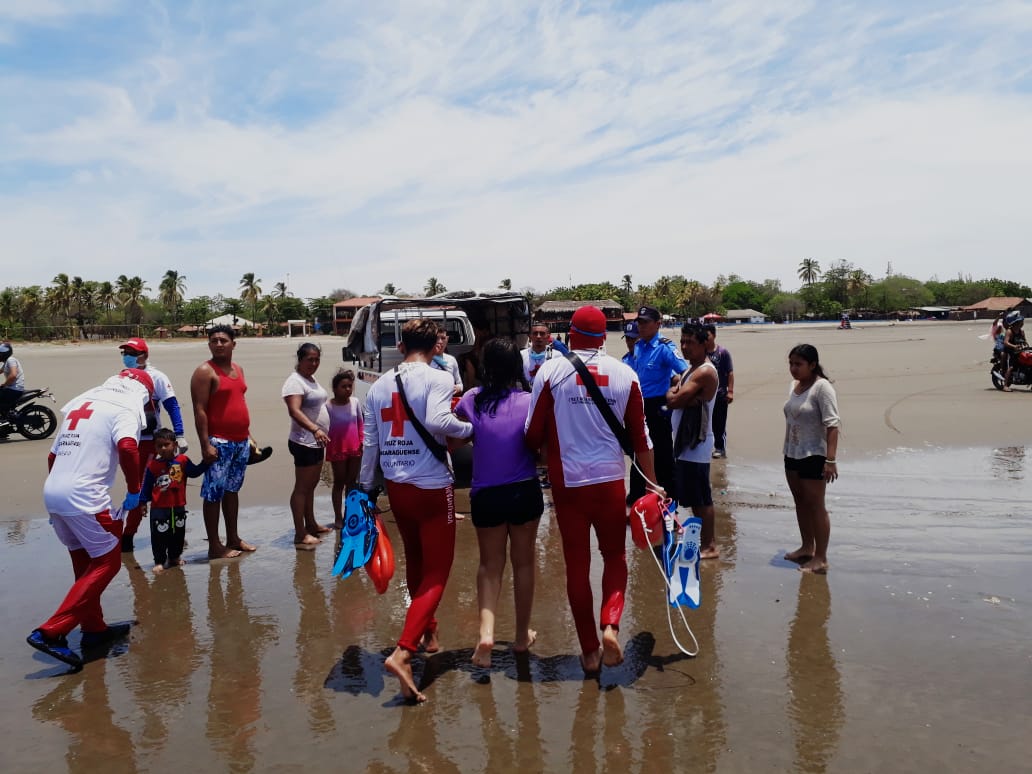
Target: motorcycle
<point x="28" y="418"/>
<point x="1022" y="374"/>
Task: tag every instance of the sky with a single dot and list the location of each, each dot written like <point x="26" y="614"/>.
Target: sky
<point x="353" y="144"/>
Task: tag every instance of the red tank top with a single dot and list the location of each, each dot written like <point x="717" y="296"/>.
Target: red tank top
<point x="227" y="410"/>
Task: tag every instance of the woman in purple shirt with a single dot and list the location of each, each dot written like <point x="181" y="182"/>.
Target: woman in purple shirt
<point x="505" y="498"/>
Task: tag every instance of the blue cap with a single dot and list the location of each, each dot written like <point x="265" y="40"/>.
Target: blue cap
<point x="630" y="330"/>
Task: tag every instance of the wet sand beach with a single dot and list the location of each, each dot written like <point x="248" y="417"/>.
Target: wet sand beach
<point x="910" y="655"/>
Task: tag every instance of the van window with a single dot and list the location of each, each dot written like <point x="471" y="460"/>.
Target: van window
<point x="456" y="331"/>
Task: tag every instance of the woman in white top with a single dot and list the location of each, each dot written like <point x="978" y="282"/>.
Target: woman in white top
<point x="811" y="440"/>
<point x="309" y="424"/>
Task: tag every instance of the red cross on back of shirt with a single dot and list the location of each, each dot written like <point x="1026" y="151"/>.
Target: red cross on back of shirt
<point x="83" y="412"/>
<point x="396" y="415"/>
<point x="600" y="379"/>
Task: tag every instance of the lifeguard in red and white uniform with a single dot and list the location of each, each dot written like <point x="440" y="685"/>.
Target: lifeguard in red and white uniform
<point x="586" y="466"/>
<point x="99" y="433"/>
<point x="419" y="485"/>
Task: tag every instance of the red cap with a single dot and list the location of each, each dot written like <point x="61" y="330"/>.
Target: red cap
<point x="136" y="345"/>
<point x="588" y="328"/>
<point x="139" y="375"/>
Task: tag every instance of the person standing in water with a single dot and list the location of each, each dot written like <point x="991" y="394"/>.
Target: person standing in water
<point x="417" y="472"/>
<point x="811" y="443"/>
<point x="223" y="429"/>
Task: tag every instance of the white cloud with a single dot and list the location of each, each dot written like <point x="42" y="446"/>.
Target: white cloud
<point x="476" y="141"/>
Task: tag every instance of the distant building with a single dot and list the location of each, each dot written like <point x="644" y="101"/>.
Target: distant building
<point x="344" y="312"/>
<point x="988" y="308"/>
<point x="744" y="316"/>
<point x="559" y="313"/>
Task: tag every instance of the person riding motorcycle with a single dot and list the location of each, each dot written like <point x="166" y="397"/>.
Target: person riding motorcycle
<point x="1013" y="342"/>
<point x="13" y="384"/>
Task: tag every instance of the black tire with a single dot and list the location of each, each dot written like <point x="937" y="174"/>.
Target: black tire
<point x="997" y="378"/>
<point x="36" y="422"/>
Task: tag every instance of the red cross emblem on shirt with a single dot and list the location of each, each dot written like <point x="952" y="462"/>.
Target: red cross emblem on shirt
<point x="600" y="379"/>
<point x="83" y="412"/>
<point x="396" y="415"/>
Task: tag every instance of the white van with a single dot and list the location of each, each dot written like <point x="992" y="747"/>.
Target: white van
<point x="372" y="344"/>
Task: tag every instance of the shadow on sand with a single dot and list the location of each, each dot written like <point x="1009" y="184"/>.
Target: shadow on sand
<point x="360" y="671"/>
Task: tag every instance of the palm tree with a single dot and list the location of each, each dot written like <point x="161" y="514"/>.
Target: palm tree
<point x="59" y="297"/>
<point x="171" y="292"/>
<point x="270" y="308"/>
<point x="29" y="304"/>
<point x="505" y="284"/>
<point x="250" y="292"/>
<point x="106" y="298"/>
<point x="279" y="290"/>
<point x="688" y="295"/>
<point x="857" y="282"/>
<point x="433" y="287"/>
<point x="625" y="284"/>
<point x="130" y="295"/>
<point x="390" y="290"/>
<point x="809" y="270"/>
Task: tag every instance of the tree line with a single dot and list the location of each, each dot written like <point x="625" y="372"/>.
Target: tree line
<point x="76" y="308"/>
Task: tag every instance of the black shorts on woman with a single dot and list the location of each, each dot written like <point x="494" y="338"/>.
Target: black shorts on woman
<point x="513" y="504"/>
<point x="811" y="468"/>
<point x="305" y="455"/>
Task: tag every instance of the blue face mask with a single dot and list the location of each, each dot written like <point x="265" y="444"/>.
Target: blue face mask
<point x="129" y="361"/>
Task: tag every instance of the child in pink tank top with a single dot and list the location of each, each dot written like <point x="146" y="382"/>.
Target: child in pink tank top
<point x="344" y="451"/>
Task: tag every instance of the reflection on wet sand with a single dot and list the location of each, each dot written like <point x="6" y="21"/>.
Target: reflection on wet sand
<point x="1008" y="463"/>
<point x="238" y="640"/>
<point x="815" y="706"/>
<point x="80" y="705"/>
<point x="313" y="646"/>
<point x="164" y="650"/>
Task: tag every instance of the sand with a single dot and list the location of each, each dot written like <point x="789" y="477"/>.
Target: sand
<point x="911" y="654"/>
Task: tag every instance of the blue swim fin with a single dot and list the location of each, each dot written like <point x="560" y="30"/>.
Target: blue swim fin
<point x="358" y="536"/>
<point x="682" y="564"/>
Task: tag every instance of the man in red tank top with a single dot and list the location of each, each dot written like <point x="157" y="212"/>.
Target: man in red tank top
<point x="223" y="429"/>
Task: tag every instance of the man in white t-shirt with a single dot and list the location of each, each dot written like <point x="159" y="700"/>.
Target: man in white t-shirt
<point x="538" y="351"/>
<point x="586" y="467"/>
<point x="100" y="432"/>
<point x="419" y="482"/>
<point x="442" y="361"/>
<point x="135" y="354"/>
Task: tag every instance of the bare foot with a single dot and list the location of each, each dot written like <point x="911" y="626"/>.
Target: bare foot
<point x="318" y="529"/>
<point x="816" y="566"/>
<point x="482" y="653"/>
<point x="460" y="517"/>
<point x="223" y="552"/>
<point x="612" y="653"/>
<point x="399" y="664"/>
<point x="307" y="543"/>
<point x="429" y="642"/>
<point x="710" y="552"/>
<point x="591" y="663"/>
<point x="240" y="545"/>
<point x="522" y="645"/>
<point x="158" y="569"/>
<point x="180" y="562"/>
<point x="800" y="555"/>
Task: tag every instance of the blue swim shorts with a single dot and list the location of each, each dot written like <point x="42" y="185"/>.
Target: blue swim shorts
<point x="226" y="474"/>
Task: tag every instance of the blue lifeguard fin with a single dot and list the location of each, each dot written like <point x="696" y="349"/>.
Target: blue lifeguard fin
<point x="681" y="556"/>
<point x="358" y="536"/>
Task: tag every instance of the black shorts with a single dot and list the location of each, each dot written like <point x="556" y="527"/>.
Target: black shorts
<point x="693" y="484"/>
<point x="810" y="468"/>
<point x="304" y="456"/>
<point x="513" y="504"/>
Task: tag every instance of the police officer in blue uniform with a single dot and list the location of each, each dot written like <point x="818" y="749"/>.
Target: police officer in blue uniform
<point x="656" y="361"/>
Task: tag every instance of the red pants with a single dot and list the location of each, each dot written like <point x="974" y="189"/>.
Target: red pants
<point x="578" y="510"/>
<point x="81" y="606"/>
<point x="426" y="521"/>
<point x="135" y="516"/>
